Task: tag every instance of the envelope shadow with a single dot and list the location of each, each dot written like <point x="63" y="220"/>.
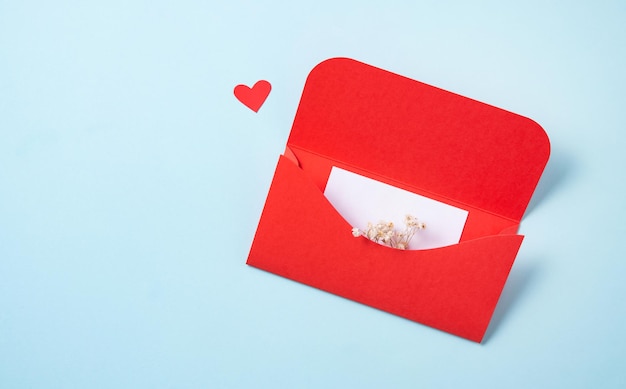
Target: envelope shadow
<point x="520" y="278"/>
<point x="560" y="166"/>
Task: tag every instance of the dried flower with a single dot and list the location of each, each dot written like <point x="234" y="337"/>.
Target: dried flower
<point x="383" y="232"/>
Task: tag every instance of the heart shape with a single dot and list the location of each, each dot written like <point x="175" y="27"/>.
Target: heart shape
<point x="254" y="97"/>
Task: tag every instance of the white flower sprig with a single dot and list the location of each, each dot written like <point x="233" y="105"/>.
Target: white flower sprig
<point x="383" y="232"/>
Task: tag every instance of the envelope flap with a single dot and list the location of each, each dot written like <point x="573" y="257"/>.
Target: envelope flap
<point x="420" y="135"/>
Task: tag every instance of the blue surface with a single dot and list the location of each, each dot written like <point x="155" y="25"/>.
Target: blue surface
<point x="131" y="183"/>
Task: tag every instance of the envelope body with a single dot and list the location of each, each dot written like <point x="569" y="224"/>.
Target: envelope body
<point x="419" y="138"/>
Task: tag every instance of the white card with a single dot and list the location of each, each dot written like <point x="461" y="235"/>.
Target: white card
<point x="361" y="200"/>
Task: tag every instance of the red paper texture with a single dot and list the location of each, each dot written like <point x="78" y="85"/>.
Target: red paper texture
<point x="254" y="97"/>
<point x="419" y="138"/>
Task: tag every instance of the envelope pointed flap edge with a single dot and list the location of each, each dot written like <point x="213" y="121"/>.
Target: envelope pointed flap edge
<point x="454" y="288"/>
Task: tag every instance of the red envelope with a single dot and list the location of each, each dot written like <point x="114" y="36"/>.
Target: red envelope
<point x="418" y="138"/>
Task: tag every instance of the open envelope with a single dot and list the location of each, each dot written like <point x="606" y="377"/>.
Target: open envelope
<point x="413" y="136"/>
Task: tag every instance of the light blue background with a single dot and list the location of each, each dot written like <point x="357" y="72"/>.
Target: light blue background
<point x="132" y="180"/>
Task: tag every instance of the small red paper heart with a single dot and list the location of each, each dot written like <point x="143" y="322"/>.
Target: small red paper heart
<point x="254" y="97"/>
